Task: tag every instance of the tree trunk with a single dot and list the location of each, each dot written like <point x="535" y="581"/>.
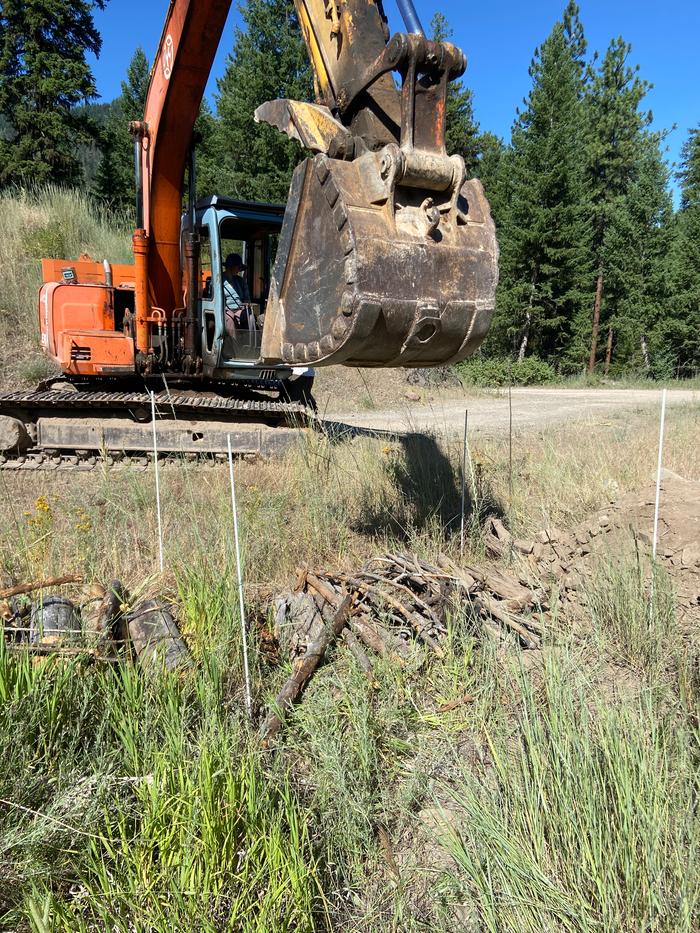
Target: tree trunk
<point x="608" y="350"/>
<point x="645" y="352"/>
<point x="596" y="320"/>
<point x="525" y="333"/>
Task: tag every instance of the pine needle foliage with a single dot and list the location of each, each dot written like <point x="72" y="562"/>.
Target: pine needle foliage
<point x="44" y="75"/>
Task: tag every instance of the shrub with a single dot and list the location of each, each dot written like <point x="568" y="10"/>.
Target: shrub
<point x="494" y="372"/>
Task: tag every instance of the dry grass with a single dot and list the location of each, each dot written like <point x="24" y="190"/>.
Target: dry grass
<point x="45" y="223"/>
<point x="325" y="503"/>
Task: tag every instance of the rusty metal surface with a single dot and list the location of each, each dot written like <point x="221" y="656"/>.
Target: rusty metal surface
<point x="373" y="273"/>
<point x="388" y="254"/>
<point x="313" y="126"/>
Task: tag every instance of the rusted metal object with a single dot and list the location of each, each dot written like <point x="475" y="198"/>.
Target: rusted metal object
<point x="364" y="276"/>
<point x="388" y="254"/>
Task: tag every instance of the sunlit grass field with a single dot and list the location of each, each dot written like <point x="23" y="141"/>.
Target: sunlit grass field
<point x="562" y="796"/>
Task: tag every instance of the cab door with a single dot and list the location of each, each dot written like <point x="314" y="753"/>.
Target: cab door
<point x="210" y="293"/>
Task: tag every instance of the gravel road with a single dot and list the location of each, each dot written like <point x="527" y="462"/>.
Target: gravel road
<point x="533" y="409"/>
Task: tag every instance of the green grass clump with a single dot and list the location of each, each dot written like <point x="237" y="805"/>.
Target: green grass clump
<point x="591" y="823"/>
<point x="133" y="802"/>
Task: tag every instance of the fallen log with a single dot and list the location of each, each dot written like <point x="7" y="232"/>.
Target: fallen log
<point x="22" y="589"/>
<point x="303" y="668"/>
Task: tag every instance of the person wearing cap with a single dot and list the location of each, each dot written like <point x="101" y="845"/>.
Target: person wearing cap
<point x="236" y="294"/>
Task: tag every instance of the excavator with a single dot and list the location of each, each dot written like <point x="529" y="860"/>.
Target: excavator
<point x="385" y="255"/>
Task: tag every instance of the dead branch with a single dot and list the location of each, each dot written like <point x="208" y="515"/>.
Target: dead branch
<point x="413" y="620"/>
<point x="23" y="588"/>
<point x="303" y="668"/>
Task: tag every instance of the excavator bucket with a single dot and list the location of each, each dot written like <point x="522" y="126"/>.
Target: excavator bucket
<point x="388" y="254"/>
<point x="372" y="273"/>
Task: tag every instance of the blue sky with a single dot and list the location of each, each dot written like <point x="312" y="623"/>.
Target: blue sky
<point x="498" y="38"/>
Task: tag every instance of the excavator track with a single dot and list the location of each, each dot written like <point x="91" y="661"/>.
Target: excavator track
<point x="175" y="403"/>
<point x="60" y="430"/>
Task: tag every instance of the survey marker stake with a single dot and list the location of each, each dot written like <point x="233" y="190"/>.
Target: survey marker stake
<point x="239" y="571"/>
<point x="655" y="538"/>
<point x="464" y="483"/>
<point x="155" y="466"/>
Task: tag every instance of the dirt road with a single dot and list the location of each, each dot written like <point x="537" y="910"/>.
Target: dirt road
<point x="533" y="409"/>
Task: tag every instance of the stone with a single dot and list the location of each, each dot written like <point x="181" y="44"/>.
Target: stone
<point x="691" y="555"/>
<point x="14" y="437"/>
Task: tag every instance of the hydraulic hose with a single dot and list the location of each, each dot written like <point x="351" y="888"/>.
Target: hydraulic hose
<point x="410" y="17"/>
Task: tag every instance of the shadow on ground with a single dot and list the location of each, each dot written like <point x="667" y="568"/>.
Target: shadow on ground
<point x="430" y="488"/>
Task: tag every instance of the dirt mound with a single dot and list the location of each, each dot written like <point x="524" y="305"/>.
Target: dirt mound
<point x="618" y="529"/>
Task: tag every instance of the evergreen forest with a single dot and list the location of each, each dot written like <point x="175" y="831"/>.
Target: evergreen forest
<point x="599" y="271"/>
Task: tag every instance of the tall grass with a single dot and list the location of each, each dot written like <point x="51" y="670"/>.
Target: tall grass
<point x="44" y="223"/>
<point x="593" y="822"/>
<point x="130" y="800"/>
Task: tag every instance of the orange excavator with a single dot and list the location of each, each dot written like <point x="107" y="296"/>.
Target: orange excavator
<point x="385" y="254"/>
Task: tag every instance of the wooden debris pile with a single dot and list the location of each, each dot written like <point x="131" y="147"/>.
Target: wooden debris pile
<point x="99" y="623"/>
<point x="392" y="601"/>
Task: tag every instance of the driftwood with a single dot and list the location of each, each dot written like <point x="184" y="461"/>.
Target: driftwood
<point x="360" y="655"/>
<point x="414" y="620"/>
<point x="303" y="669"/>
<point x="23" y="588"/>
<point x="379" y="639"/>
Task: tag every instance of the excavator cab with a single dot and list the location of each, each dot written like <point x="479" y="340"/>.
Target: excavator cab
<point x="225" y="227"/>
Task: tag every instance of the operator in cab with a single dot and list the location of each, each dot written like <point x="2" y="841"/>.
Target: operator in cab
<point x="236" y="294"/>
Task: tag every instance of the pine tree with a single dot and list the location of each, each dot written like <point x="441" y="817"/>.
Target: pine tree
<point x="616" y="127"/>
<point x="677" y="336"/>
<point x="489" y="170"/>
<point x="268" y="60"/>
<point x="115" y="175"/>
<point x="636" y="247"/>
<point x="44" y="75"/>
<point x="543" y="228"/>
<point x="462" y="130"/>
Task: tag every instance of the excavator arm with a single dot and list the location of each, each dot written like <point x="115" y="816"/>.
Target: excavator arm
<point x="387" y="254"/>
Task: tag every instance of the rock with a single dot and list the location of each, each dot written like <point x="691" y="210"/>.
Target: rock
<point x="412" y="396"/>
<point x="603" y="521"/>
<point x="523" y="547"/>
<point x="14" y="437"/>
<point x="537" y="551"/>
<point x="690" y="555"/>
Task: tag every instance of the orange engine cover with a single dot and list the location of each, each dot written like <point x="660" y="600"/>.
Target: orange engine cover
<point x="76" y="323"/>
